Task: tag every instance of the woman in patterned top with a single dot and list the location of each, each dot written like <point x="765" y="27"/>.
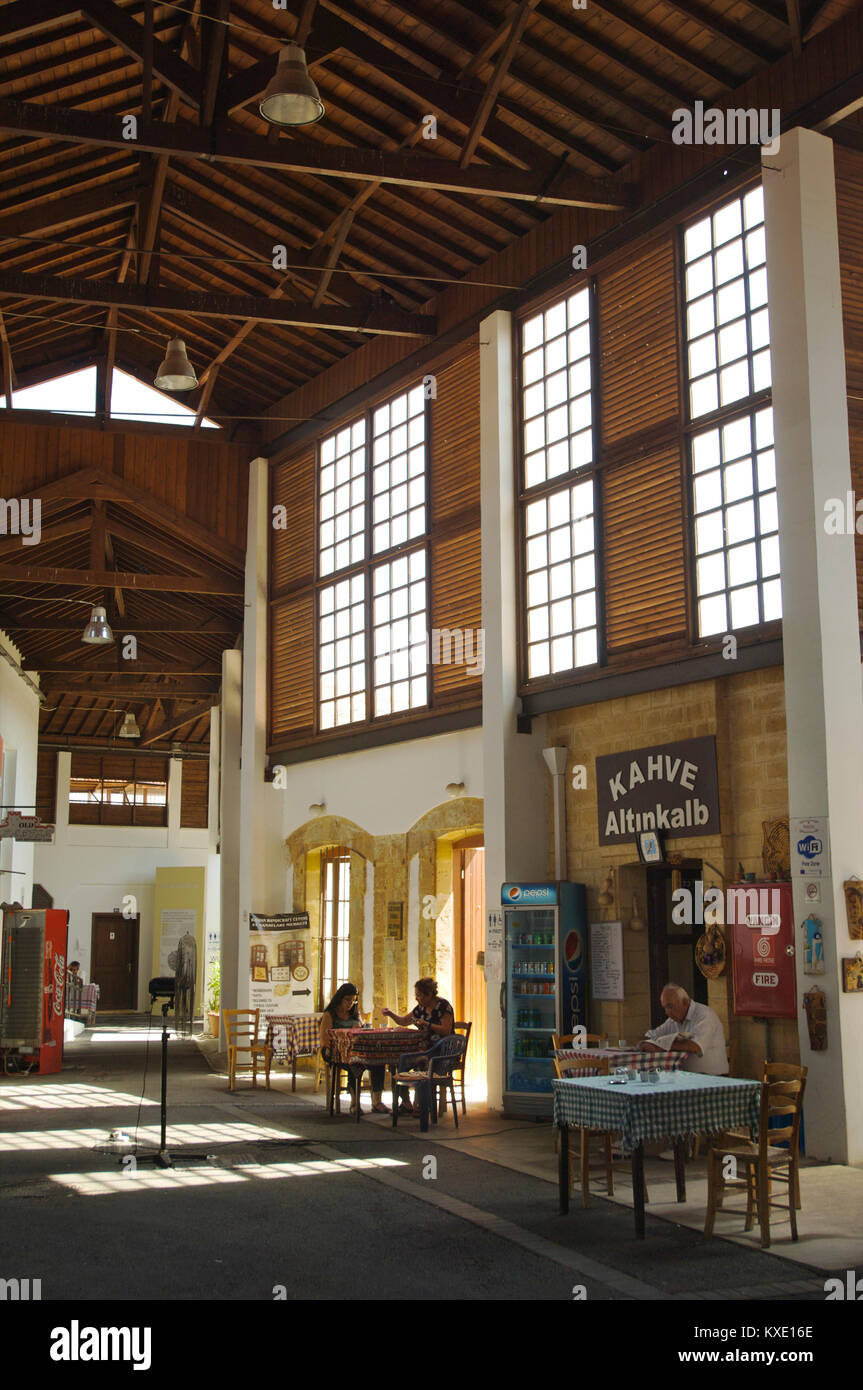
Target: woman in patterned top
<point x="434" y="1018"/>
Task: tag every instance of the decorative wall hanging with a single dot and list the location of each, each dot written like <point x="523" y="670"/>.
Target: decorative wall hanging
<point x="852" y="974"/>
<point x="776" y="848"/>
<point x="813" y="946"/>
<point x="710" y="953"/>
<point x="815" y="1004"/>
<point x="853" y="888"/>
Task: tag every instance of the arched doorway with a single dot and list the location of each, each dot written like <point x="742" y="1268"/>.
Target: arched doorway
<point x="469" y="989"/>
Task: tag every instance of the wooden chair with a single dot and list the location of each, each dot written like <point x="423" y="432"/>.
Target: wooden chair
<point x="241" y="1031"/>
<point x="579" y="1154"/>
<point x="463" y="1029"/>
<point x="762" y="1163"/>
<point x="559" y="1040"/>
<point x="437" y="1075"/>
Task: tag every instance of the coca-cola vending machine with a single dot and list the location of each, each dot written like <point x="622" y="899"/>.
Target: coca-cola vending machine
<point x="32" y="988"/>
<point x="761" y="924"/>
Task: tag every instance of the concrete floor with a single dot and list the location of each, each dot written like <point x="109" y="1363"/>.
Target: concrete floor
<point x="381" y="1213"/>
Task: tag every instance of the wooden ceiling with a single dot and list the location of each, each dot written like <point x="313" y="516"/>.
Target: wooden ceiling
<point x="111" y="245"/>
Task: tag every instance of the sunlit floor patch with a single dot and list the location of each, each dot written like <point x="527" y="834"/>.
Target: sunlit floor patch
<point x="71" y="1095"/>
<point x="137" y="1178"/>
<point x="33" y="1140"/>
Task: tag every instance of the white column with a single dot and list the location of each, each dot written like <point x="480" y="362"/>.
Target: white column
<point x="253" y="869"/>
<point x="61" y="805"/>
<point x="175" y="792"/>
<point x="514" y="775"/>
<point x="213" y="788"/>
<point x="823" y="694"/>
<point x="231" y="728"/>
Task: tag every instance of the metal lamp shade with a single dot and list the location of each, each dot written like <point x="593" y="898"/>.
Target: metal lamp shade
<point x="292" y="97"/>
<point x="176" y="372"/>
<point x="97" y="633"/>
<point x="129" y="728"/>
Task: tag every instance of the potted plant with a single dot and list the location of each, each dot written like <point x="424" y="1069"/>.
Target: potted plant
<point x="214" y="992"/>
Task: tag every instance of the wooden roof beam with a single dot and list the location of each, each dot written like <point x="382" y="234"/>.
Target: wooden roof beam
<point x="519" y="22"/>
<point x="747" y="44"/>
<point x="8" y="369"/>
<point x="704" y="66"/>
<point x="248" y="308"/>
<point x="65" y="212"/>
<point x="101" y="579"/>
<point x="126" y="34"/>
<point x="318" y="159"/>
<point x="176" y="721"/>
<point x="215" y="47"/>
<point x="24" y="18"/>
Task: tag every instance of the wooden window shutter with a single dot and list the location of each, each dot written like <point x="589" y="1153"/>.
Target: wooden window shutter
<point x="638" y="346"/>
<point x="644" y="552"/>
<point x="849" y="211"/>
<point x="456" y="571"/>
<point x="46" y="786"/>
<point x="293" y="549"/>
<point x="195" y="793"/>
<point x="292" y="667"/>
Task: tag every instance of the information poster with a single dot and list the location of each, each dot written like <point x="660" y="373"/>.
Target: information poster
<point x="174" y="923"/>
<point x="279" y="971"/>
<point x="810" y="847"/>
<point x="606" y="960"/>
<point x="494" y="946"/>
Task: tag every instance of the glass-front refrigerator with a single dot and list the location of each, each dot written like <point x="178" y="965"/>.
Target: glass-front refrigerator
<point x="545" y="986"/>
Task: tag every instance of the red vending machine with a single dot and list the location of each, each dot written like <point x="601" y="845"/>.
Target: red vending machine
<point x="761" y="925"/>
<point x="32" y="988"/>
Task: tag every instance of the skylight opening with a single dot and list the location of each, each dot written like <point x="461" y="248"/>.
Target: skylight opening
<point x="75" y="394"/>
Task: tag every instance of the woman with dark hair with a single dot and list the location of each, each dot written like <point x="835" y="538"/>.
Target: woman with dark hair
<point x="342" y="1012"/>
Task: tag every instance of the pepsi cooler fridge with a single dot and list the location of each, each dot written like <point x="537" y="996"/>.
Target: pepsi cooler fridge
<point x="545" y="986"/>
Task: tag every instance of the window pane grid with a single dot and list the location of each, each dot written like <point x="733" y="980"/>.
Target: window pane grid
<point x="736" y="525"/>
<point x="342" y="499"/>
<point x="562" y="631"/>
<point x="725" y="285"/>
<point x="400" y="634"/>
<point x="557" y="416"/>
<point x="335" y="921"/>
<point x="398" y="471"/>
<point x="342" y="652"/>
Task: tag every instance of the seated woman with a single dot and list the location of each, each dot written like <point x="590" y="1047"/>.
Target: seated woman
<point x="342" y="1012"/>
<point x="433" y="1017"/>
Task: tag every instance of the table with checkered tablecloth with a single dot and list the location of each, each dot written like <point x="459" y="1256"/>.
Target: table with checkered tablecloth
<point x="622" y="1057"/>
<point x="292" y="1036"/>
<point x="374" y="1047"/>
<point x="675" y="1106"/>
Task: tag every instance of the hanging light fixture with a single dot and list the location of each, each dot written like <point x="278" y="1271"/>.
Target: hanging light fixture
<point x="176" y="372"/>
<point x="292" y="97"/>
<point x="97" y="633"/>
<point x="129" y="727"/>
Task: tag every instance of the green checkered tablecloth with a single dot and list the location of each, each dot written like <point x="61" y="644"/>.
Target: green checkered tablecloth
<point x="680" y="1103"/>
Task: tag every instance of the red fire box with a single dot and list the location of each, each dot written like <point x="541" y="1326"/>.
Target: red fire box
<point x="760" y="923"/>
<point x="33" y="988"/>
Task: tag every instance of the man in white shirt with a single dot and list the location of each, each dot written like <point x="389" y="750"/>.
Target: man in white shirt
<point x="690" y="1027"/>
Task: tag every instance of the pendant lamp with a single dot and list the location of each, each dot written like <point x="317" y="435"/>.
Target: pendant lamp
<point x="97" y="633"/>
<point x="292" y="97"/>
<point x="129" y="728"/>
<point x="176" y="372"/>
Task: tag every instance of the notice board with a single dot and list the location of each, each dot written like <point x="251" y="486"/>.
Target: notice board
<point x="606" y="960"/>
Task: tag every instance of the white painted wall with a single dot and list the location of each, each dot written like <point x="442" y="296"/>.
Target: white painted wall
<point x="19" y="728"/>
<point x="384" y="790"/>
<point x="91" y="868"/>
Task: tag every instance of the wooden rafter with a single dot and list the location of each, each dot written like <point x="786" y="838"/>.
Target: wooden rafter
<point x="126" y="34"/>
<point x="8" y="369"/>
<point x="101" y="579"/>
<point x="215" y="43"/>
<point x="792" y="8"/>
<point x="518" y="24"/>
<point x="323" y="160"/>
<point x="177" y="720"/>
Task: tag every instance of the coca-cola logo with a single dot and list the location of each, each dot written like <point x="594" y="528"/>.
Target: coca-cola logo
<point x="59" y="983"/>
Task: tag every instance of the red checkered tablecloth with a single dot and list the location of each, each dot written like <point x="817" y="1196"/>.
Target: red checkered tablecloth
<point x="375" y="1046"/>
<point x="294" y="1035"/>
<point x="622" y="1057"/>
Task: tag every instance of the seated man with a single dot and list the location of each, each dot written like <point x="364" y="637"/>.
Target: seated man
<point x="690" y="1027"/>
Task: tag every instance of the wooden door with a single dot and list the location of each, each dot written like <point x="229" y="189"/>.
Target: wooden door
<point x="672" y="944"/>
<point x="114" y="960"/>
<point x="470" y="941"/>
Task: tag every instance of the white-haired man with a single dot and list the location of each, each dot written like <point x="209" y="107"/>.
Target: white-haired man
<point x="689" y="1027"/>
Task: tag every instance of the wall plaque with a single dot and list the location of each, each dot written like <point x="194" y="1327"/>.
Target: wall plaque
<point x="669" y="787"/>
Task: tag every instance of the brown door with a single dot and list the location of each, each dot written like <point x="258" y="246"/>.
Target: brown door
<point x="114" y="960"/>
<point x="470" y="941"/>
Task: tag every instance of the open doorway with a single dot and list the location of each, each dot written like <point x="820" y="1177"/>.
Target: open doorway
<point x="468" y="944"/>
<point x="672" y="944"/>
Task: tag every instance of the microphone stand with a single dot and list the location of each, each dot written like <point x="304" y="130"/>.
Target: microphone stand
<point x="161" y="1157"/>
